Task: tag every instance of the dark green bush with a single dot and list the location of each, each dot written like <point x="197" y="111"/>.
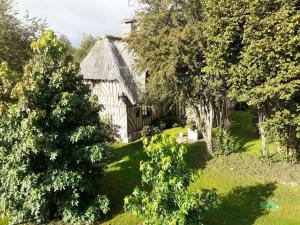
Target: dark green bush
<point x="149" y="131"/>
<point x="167" y="122"/>
<point x="52" y="143"/>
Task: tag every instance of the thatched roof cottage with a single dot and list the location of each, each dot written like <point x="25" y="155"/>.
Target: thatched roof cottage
<point x="110" y="70"/>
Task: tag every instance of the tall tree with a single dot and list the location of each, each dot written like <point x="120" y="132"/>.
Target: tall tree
<point x="52" y="142"/>
<point x="223" y="22"/>
<point x="173" y="44"/>
<point x="267" y="76"/>
<point x="16" y="36"/>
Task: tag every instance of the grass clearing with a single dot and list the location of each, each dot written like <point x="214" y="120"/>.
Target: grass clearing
<point x="242" y="180"/>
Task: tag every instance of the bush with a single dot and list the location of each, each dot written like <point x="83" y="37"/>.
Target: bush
<point x="191" y="125"/>
<point x="52" y="143"/>
<point x="224" y="144"/>
<point x="149" y="131"/>
<point x="168" y="122"/>
<point x="165" y="198"/>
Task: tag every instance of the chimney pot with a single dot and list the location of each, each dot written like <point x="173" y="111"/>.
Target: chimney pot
<point x="127" y="26"/>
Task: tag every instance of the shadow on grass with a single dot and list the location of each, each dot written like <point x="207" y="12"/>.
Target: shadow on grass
<point x="242" y="128"/>
<point x="197" y="156"/>
<point x="122" y="176"/>
<point x="241" y="206"/>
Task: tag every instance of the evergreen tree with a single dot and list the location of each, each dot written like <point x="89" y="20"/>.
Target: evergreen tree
<point x="170" y="45"/>
<point x="267" y="75"/>
<point x="52" y="143"/>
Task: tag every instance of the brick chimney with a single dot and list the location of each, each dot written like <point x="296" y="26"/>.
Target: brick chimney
<point x="127" y="26"/>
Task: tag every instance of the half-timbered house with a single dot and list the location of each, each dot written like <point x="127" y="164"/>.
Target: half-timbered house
<point x="110" y="70"/>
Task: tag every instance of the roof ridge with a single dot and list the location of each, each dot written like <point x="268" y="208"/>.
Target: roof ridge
<point x="131" y="89"/>
<point x="112" y="37"/>
<point x="109" y="60"/>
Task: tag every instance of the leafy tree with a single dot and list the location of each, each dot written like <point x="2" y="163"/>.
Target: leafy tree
<point x="86" y="44"/>
<point x="52" y="143"/>
<point x="223" y="22"/>
<point x="267" y="76"/>
<point x="8" y="79"/>
<point x="165" y="198"/>
<point x="16" y="36"/>
<point x="64" y="39"/>
<point x="170" y="45"/>
<point x="189" y="47"/>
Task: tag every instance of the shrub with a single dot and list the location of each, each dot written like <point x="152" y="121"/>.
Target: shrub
<point x="191" y="125"/>
<point x="149" y="131"/>
<point x="168" y="122"/>
<point x="164" y="198"/>
<point x="52" y="143"/>
<point x="281" y="130"/>
<point x="224" y="143"/>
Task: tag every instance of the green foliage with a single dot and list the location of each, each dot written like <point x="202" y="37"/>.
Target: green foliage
<point x="8" y="79"/>
<point x="52" y="143"/>
<point x="267" y="75"/>
<point x="64" y="39"/>
<point x="149" y="131"/>
<point x="86" y="44"/>
<point x="224" y="143"/>
<point x="16" y="36"/>
<point x="191" y="125"/>
<point x="282" y="130"/>
<point x="196" y="43"/>
<point x="167" y="33"/>
<point x="165" y="198"/>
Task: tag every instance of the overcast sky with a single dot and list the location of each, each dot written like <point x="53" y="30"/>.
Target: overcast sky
<point x="77" y="17"/>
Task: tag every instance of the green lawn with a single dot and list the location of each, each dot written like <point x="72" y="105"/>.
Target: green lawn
<point x="242" y="180"/>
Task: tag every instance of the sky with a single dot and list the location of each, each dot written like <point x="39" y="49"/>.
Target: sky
<point x="74" y="18"/>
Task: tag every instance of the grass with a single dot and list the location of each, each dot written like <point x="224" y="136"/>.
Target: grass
<point x="242" y="180"/>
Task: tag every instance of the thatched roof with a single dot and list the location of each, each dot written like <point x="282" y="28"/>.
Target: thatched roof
<point x="110" y="59"/>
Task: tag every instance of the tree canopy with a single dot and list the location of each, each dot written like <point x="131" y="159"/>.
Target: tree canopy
<point x="267" y="75"/>
<point x="86" y="44"/>
<point x="16" y="35"/>
<point x="52" y="142"/>
<point x="212" y="53"/>
<point x="187" y="58"/>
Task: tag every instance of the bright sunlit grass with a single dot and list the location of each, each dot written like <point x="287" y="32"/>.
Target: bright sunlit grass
<point x="242" y="180"/>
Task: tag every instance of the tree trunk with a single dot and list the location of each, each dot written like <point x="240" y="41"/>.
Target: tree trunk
<point x="225" y="112"/>
<point x="262" y="132"/>
<point x="205" y="118"/>
<point x="207" y="112"/>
